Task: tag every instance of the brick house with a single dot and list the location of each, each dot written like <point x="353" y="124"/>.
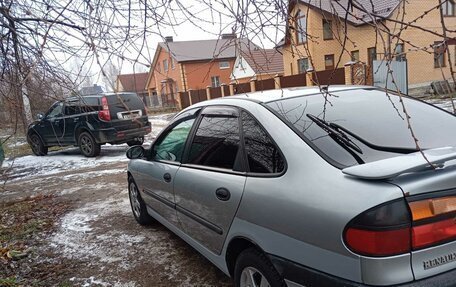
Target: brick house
<point x="257" y="63"/>
<point x="135" y="83"/>
<point x="317" y="27"/>
<point x="184" y="65"/>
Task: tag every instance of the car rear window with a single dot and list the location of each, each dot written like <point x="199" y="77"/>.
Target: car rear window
<point x="124" y="102"/>
<point x="374" y="116"/>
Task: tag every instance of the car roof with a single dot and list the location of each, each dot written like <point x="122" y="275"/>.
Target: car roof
<point x="273" y="95"/>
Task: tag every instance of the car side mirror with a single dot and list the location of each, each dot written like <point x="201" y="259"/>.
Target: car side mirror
<point x="135" y="152"/>
<point x="40" y="116"/>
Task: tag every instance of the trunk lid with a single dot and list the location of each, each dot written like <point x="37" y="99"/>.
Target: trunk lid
<point x="431" y="196"/>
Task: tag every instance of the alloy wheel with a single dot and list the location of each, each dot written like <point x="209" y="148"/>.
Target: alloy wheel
<point x="134" y="199"/>
<point x="251" y="277"/>
<point x="86" y="145"/>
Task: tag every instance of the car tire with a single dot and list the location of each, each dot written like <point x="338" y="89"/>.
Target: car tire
<point x="87" y="145"/>
<point x="138" y="141"/>
<point x="252" y="267"/>
<point x="138" y="207"/>
<point x="37" y="145"/>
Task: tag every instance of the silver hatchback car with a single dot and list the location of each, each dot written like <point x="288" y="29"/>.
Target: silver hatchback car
<point x="308" y="187"/>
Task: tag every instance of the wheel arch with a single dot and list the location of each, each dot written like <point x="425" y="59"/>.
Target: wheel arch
<point x="79" y="131"/>
<point x="235" y="247"/>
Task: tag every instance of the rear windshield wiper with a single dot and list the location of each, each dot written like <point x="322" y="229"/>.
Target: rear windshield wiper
<point x="343" y="130"/>
<point x="339" y="137"/>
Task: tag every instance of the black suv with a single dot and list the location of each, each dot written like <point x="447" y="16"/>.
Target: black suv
<point x="89" y="122"/>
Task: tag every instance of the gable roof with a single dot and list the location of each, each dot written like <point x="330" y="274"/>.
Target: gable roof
<point x="361" y="12"/>
<point x="183" y="51"/>
<point x="264" y="61"/>
<point x="133" y="82"/>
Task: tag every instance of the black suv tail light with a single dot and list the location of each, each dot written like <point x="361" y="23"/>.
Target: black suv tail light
<point x="104" y="114"/>
<point x="384" y="230"/>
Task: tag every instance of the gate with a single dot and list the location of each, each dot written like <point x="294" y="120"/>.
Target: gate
<point x="387" y="71"/>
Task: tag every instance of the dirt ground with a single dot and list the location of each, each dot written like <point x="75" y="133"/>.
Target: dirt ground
<point x="65" y="220"/>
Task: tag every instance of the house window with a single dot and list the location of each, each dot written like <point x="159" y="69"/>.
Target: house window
<point x="329" y="62"/>
<point x="303" y="65"/>
<point x="399" y="51"/>
<point x="158" y="67"/>
<point x="327" y="31"/>
<point x="301" y="27"/>
<point x="355" y="56"/>
<point x="371" y="55"/>
<point x="439" y="54"/>
<point x="448" y="8"/>
<point x="215" y="81"/>
<point x="224" y="65"/>
<point x="173" y="66"/>
<point x="165" y="65"/>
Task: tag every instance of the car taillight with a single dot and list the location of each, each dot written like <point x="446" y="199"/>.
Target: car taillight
<point x="434" y="221"/>
<point x="104" y="114"/>
<point x="381" y="231"/>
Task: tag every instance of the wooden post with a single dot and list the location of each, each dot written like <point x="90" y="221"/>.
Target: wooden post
<point x="208" y="92"/>
<point x="222" y="86"/>
<point x="253" y="84"/>
<point x="232" y="88"/>
<point x="277" y="84"/>
<point x="190" y="96"/>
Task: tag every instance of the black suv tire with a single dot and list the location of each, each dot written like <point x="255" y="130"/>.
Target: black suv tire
<point x="88" y="145"/>
<point x="38" y="147"/>
<point x="138" y="141"/>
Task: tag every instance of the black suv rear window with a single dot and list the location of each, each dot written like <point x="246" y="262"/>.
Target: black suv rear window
<point x="124" y="102"/>
<point x="370" y="115"/>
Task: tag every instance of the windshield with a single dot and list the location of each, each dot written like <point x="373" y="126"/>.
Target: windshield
<point x="370" y="115"/>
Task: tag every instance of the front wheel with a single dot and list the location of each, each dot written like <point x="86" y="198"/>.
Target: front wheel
<point x="253" y="269"/>
<point x="88" y="145"/>
<point x="37" y="145"/>
<point x="138" y="207"/>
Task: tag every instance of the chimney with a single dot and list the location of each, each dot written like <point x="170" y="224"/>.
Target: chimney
<point x="229" y="36"/>
<point x="168" y="39"/>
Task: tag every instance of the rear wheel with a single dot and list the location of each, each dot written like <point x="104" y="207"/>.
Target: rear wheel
<point x="138" y="207"/>
<point x="253" y="269"/>
<point x="37" y="145"/>
<point x="137" y="141"/>
<point x="88" y="145"/>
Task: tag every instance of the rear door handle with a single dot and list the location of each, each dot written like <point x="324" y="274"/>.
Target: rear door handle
<point x="223" y="194"/>
<point x="167" y="177"/>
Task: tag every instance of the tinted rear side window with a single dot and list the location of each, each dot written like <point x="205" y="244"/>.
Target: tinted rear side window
<point x="262" y="154"/>
<point x="216" y="143"/>
<point x="124" y="102"/>
<point x="89" y="104"/>
<point x="370" y="114"/>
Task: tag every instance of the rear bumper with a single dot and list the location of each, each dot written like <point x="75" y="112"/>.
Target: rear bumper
<point x="298" y="274"/>
<point x="114" y="136"/>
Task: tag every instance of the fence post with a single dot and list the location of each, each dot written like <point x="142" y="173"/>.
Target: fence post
<point x="190" y="96"/>
<point x="222" y="86"/>
<point x="253" y="84"/>
<point x="208" y="92"/>
<point x="277" y="84"/>
<point x="309" y="77"/>
<point x="179" y="100"/>
<point x="349" y="73"/>
<point x="232" y="88"/>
